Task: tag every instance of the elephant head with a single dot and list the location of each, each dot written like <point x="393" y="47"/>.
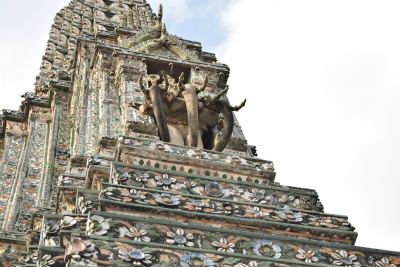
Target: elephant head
<point x="183" y="108"/>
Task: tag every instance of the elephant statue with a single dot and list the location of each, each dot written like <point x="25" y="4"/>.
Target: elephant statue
<point x="187" y="116"/>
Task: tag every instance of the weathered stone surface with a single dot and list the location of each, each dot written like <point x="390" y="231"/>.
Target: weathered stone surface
<point x="86" y="181"/>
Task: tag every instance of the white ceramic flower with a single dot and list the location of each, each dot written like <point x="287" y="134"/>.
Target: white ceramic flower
<point x="384" y="262"/>
<point x="98" y="225"/>
<point x="138" y="235"/>
<point x="188" y="184"/>
<point x="63" y="180"/>
<point x="257" y="213"/>
<point x="306" y="256"/>
<point x="67" y="221"/>
<point x="251" y="264"/>
<point x="285" y="198"/>
<point x="258" y="195"/>
<point x="235" y="160"/>
<point x="135" y="256"/>
<point x="236" y="192"/>
<point x="165" y="181"/>
<point x="179" y="238"/>
<point x="224" y="245"/>
<point x="142" y="178"/>
<point x="342" y="258"/>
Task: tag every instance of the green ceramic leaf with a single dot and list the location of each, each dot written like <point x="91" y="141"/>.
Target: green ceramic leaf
<point x="165" y="264"/>
<point x="8" y="249"/>
<point x="212" y="237"/>
<point x="182" y="190"/>
<point x="152" y="233"/>
<point x="109" y="246"/>
<point x="247" y="245"/>
<point x="151" y="174"/>
<point x="285" y="247"/>
<point x="200" y="181"/>
<point x="149" y="227"/>
<point x="99" y="242"/>
<point x="137" y="184"/>
<point x="246" y="239"/>
<point x="264" y="264"/>
<point x="319" y="256"/>
<point x="148" y="250"/>
<point x="113" y="223"/>
<point x="231" y="261"/>
<point x="122" y="264"/>
<point x="192" y="191"/>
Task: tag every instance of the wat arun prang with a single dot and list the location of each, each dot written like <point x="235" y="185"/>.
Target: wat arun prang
<point x="128" y="153"/>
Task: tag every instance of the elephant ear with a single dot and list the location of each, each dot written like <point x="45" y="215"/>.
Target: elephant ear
<point x="159" y="115"/>
<point x="224" y="138"/>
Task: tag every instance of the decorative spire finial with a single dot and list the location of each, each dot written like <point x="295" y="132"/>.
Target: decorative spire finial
<point x="158" y="26"/>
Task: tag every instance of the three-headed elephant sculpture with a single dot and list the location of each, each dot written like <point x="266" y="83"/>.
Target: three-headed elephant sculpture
<point x="186" y="116"/>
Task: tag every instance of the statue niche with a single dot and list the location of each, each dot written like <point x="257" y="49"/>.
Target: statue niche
<point x="185" y="115"/>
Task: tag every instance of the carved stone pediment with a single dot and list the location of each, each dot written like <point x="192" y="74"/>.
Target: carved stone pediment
<point x="163" y="44"/>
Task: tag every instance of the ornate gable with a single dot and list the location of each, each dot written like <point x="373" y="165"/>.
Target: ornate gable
<point x="160" y="43"/>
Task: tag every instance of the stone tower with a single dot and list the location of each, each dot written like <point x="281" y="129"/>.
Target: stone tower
<point x="128" y="153"/>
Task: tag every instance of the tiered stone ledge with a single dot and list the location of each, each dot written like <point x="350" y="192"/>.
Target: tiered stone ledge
<point x="188" y="182"/>
<point x="269" y="219"/>
<point x="135" y="150"/>
<point x="22" y="115"/>
<point x="110" y="237"/>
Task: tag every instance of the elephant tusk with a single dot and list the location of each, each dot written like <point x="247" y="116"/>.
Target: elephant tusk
<point x="166" y="82"/>
<point x="218" y="96"/>
<point x="237" y="108"/>
<point x="203" y="86"/>
<point x="143" y="90"/>
<point x="179" y="86"/>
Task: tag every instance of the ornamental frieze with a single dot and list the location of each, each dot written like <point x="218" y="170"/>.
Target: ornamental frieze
<point x="191" y="206"/>
<point x="139" y="151"/>
<point x="178" y="181"/>
<point x="136" y="241"/>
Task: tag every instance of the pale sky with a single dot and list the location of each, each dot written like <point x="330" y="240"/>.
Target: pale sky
<point x="321" y="78"/>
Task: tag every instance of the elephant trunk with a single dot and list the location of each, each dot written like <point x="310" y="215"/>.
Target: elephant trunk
<point x="223" y="140"/>
<point x="156" y="100"/>
<point x="190" y="96"/>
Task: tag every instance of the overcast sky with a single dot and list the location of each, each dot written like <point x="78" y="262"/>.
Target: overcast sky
<point x="321" y="79"/>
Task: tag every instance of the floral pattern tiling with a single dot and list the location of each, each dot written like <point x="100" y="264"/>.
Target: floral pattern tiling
<point x="14" y="146"/>
<point x="25" y="192"/>
<point x="208" y="155"/>
<point x="144" y="243"/>
<point x="224" y="189"/>
<point x="209" y="203"/>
